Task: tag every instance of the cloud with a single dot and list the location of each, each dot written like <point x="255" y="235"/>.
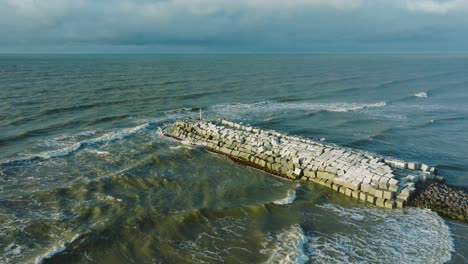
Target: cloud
<point x="437" y="7"/>
<point x="233" y="25"/>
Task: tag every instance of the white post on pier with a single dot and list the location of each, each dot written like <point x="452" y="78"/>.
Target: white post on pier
<point x="200" y="114"/>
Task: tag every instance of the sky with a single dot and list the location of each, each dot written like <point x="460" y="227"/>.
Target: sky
<point x="233" y="26"/>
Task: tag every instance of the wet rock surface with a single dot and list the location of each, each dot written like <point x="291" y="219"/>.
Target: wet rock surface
<point x="449" y="201"/>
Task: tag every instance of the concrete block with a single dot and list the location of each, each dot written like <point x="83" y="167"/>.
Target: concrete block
<point x="371" y="199"/>
<point x="412" y="178"/>
<point x="378" y="193"/>
<point x="383" y="183"/>
<point x="414" y="165"/>
<point x="365" y="187"/>
<point x="309" y="173"/>
<point x="424" y="167"/>
<point x="363" y="196"/>
<point x="392" y="182"/>
<point x="339" y="181"/>
<point x="322" y="174"/>
<point x="355" y="194"/>
<point x="401" y="165"/>
<point x="298" y="171"/>
<point x="297" y="160"/>
<point x="390" y="204"/>
<point x="348" y="192"/>
<point x="388" y="195"/>
<point x="355" y="185"/>
<point x="380" y="202"/>
<point x="400" y="203"/>
<point x="408" y="191"/>
<point x="393" y="188"/>
<point x="336" y="187"/>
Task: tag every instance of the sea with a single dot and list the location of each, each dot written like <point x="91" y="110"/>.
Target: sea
<point x="86" y="175"/>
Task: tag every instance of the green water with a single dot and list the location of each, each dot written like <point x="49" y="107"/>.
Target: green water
<point x="87" y="177"/>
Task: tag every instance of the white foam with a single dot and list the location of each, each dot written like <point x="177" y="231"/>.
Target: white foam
<point x="107" y="137"/>
<point x="382" y="236"/>
<point x="11" y="250"/>
<point x="290" y="197"/>
<point x="50" y="254"/>
<point x="54" y="251"/>
<point x="288" y="247"/>
<point x="100" y="153"/>
<point x="182" y="147"/>
<point x="421" y="95"/>
<point x="267" y="107"/>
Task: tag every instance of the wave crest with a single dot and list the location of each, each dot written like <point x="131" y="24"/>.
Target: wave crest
<point x="74" y="147"/>
<point x="234" y="110"/>
<point x="288" y="247"/>
<point x="421" y="95"/>
<point x="397" y="236"/>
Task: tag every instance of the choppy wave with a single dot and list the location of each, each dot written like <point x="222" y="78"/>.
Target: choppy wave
<point x="74" y="147"/>
<point x="289" y="247"/>
<point x="397" y="236"/>
<point x="421" y="94"/>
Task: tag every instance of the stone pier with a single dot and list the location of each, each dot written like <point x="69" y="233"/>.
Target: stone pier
<point x="384" y="182"/>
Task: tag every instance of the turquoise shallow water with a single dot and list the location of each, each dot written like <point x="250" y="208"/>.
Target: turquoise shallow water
<point x="87" y="177"/>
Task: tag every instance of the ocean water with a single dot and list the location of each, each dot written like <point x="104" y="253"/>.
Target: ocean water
<point x="87" y="177"/>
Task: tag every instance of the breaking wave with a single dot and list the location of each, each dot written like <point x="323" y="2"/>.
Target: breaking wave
<point x="288" y="247"/>
<point x="397" y="236"/>
<point x="74" y="147"/>
<point x="268" y="108"/>
<point x="290" y="197"/>
<point x="54" y="251"/>
<point x="421" y="95"/>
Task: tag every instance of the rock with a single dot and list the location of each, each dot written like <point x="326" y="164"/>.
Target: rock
<point x="388" y="195"/>
<point x="424" y="167"/>
<point x="380" y="202"/>
<point x="414" y="165"/>
<point x="360" y="175"/>
<point x="371" y="199"/>
<point x="298" y="172"/>
<point x="390" y="204"/>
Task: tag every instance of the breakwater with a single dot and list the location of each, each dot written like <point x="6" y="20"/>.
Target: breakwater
<point x="384" y="182"/>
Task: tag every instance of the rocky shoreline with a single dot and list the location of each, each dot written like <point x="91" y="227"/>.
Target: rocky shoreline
<point x="449" y="201"/>
<point x="381" y="181"/>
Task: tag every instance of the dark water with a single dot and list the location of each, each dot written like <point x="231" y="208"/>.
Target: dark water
<point x="86" y="177"/>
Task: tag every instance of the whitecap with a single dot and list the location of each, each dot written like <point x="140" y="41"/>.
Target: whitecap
<point x="290" y="197"/>
<point x="383" y="236"/>
<point x="49" y="254"/>
<point x="11" y="250"/>
<point x="100" y="152"/>
<point x="61" y="152"/>
<point x="233" y="111"/>
<point x="288" y="247"/>
<point x="421" y="95"/>
<point x="54" y="251"/>
<point x="182" y="147"/>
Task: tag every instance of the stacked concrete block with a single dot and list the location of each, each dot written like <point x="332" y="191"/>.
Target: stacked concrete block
<point x="386" y="183"/>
